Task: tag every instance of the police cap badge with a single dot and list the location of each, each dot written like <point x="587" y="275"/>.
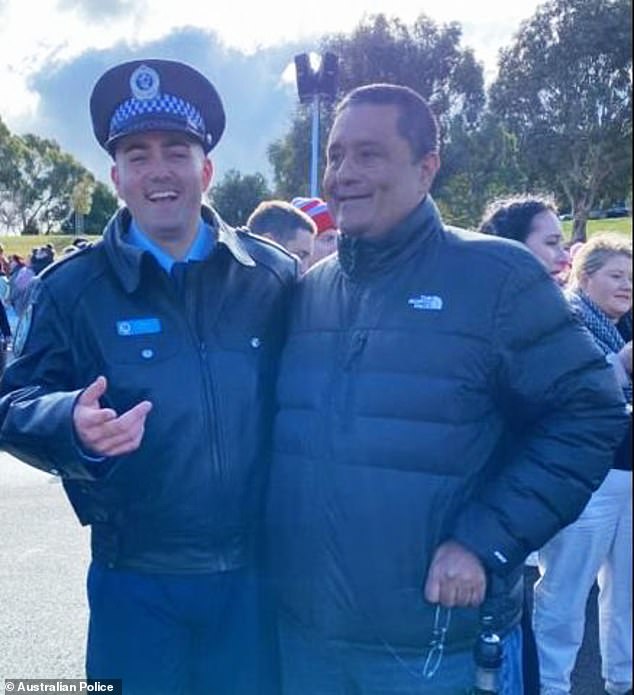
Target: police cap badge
<point x="155" y="94"/>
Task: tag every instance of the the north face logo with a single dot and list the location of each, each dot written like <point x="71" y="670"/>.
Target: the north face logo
<point x="426" y="302"/>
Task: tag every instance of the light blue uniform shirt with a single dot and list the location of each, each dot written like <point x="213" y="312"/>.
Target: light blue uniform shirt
<point x="201" y="247"/>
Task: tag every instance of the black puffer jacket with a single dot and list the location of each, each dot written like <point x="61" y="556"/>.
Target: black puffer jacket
<point x="190" y="499"/>
<point x="409" y="365"/>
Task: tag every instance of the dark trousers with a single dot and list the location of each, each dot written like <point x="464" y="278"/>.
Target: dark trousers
<point x="202" y="634"/>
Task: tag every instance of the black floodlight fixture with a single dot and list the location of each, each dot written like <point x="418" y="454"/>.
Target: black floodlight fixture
<point x="306" y="78"/>
<point x="328" y="75"/>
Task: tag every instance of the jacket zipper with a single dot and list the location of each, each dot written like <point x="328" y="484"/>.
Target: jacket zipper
<point x="355" y="342"/>
<point x="211" y="412"/>
<point x="355" y="350"/>
<point x="210" y="402"/>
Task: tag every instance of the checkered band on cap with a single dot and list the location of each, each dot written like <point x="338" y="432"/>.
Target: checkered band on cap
<point x="163" y="105"/>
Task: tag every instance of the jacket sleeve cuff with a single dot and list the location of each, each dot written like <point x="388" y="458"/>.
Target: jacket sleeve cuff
<point x="483" y="534"/>
<point x="46" y="439"/>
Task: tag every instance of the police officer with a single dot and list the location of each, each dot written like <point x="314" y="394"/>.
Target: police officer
<point x="144" y="380"/>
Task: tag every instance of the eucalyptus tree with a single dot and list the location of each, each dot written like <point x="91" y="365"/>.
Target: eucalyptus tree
<point x="564" y="89"/>
<point x="424" y="56"/>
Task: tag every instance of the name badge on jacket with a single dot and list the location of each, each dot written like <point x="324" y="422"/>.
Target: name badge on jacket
<point x="147" y="326"/>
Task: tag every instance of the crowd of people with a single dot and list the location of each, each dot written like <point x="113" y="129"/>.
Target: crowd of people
<point x="17" y="276"/>
<point x="597" y="280"/>
<point x="16" y="281"/>
<point x="315" y="452"/>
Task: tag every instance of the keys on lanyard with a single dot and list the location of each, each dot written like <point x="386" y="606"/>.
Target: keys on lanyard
<point x="435" y="650"/>
<point x="442" y="618"/>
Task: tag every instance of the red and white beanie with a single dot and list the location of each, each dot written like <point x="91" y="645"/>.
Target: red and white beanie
<point x="316" y="209"/>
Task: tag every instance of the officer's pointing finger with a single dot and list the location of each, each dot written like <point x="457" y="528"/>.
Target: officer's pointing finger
<point x="126" y="428"/>
<point x="135" y="415"/>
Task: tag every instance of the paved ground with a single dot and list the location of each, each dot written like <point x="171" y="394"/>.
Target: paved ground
<point x="43" y="556"/>
<point x="43" y="559"/>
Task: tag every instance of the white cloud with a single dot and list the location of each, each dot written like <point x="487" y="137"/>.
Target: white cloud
<point x="46" y="37"/>
<point x="31" y="37"/>
<point x="35" y="38"/>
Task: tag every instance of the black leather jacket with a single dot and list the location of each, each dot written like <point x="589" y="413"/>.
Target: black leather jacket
<point x="189" y="499"/>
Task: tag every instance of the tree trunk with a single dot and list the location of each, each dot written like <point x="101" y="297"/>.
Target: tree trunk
<point x="580" y="212"/>
<point x="579" y="228"/>
<point x="79" y="223"/>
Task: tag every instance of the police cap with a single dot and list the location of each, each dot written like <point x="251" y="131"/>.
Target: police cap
<point x="154" y="94"/>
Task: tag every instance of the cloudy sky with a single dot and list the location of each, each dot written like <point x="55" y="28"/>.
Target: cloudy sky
<point x="52" y="52"/>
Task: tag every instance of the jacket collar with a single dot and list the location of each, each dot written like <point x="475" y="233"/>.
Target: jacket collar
<point x="126" y="260"/>
<point x="361" y="259"/>
<point x="228" y="236"/>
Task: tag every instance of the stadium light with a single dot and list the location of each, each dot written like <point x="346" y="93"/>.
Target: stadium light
<point x="316" y="82"/>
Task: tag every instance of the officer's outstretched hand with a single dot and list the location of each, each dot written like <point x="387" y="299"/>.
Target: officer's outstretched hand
<point x="456" y="577"/>
<point x="100" y="430"/>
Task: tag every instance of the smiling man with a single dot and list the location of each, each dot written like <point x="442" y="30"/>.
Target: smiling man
<point x="441" y="415"/>
<point x="145" y="381"/>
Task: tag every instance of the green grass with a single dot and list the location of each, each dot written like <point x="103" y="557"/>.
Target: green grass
<point x="620" y="225"/>
<point x="24" y="244"/>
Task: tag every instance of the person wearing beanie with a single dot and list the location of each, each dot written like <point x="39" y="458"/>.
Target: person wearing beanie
<point x="327" y="234"/>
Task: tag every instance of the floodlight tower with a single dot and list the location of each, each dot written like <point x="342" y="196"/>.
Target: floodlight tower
<point x="316" y="82"/>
